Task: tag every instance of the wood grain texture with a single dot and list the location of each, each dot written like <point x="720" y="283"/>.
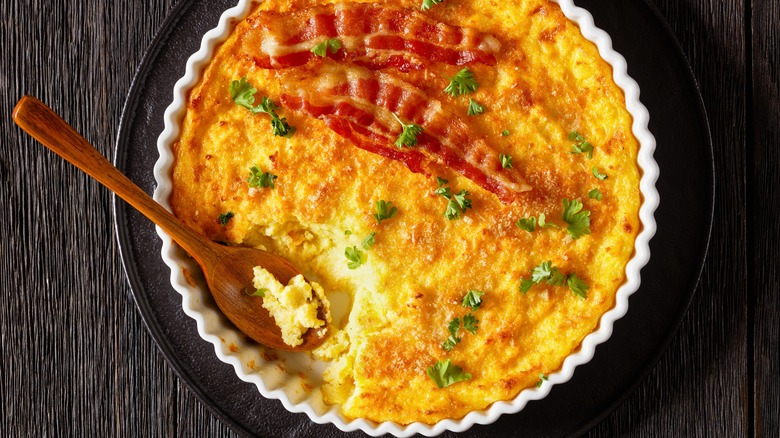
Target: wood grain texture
<point x="77" y="359"/>
<point x="763" y="230"/>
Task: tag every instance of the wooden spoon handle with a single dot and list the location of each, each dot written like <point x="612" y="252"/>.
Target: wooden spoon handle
<point x="47" y="127"/>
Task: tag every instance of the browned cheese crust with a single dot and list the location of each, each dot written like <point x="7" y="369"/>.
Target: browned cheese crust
<point x="548" y="82"/>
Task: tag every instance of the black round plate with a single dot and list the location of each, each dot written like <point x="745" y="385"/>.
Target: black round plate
<point x="684" y="154"/>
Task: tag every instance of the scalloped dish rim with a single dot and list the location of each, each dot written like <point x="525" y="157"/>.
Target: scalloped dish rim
<point x="232" y="348"/>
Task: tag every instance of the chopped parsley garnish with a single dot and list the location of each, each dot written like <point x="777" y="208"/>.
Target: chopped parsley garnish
<point x="454" y="339"/>
<point x="258" y="293"/>
<point x="542" y="378"/>
<point x="224" y="218"/>
<point x="597" y="174"/>
<point x="368" y="242"/>
<point x="441" y="181"/>
<point x="473" y="299"/>
<point x="243" y="94"/>
<point x="525" y="285"/>
<point x="595" y="194"/>
<point x="579" y="221"/>
<point x="506" y="161"/>
<point x="408" y="135"/>
<point x="462" y="83"/>
<point x="444" y="373"/>
<point x="550" y="274"/>
<point x="543" y="222"/>
<point x="458" y="203"/>
<point x="547" y="272"/>
<point x="579" y="287"/>
<point x="529" y="223"/>
<point x="384" y="210"/>
<point x="443" y="191"/>
<point x="475" y="108"/>
<point x="258" y="179"/>
<point x="581" y="145"/>
<point x="470" y="323"/>
<point x="347" y="232"/>
<point x="332" y="45"/>
<point x="505" y="133"/>
<point x="355" y="257"/>
<point x="427" y="4"/>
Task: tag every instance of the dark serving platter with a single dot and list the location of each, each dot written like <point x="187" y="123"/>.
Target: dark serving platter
<point x="684" y="217"/>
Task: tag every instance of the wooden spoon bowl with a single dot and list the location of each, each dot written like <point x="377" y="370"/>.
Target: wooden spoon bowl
<point x="228" y="269"/>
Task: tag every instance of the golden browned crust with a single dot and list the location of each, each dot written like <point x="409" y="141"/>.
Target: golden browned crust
<point x="548" y="82"/>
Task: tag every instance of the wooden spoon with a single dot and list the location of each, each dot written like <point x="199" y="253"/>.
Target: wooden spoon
<point x="228" y="269"/>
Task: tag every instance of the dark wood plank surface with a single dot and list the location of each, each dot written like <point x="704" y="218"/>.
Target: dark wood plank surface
<point x="77" y="359"/>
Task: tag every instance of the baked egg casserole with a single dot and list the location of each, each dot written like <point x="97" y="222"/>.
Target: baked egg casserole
<point x="465" y="172"/>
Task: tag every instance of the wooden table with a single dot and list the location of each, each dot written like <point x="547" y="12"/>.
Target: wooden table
<point x="78" y="361"/>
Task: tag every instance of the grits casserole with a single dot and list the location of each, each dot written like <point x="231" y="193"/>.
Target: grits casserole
<point x="472" y="275"/>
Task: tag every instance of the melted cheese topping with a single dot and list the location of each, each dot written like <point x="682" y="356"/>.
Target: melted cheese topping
<point x="548" y="82"/>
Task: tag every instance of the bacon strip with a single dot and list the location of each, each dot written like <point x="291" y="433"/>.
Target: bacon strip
<point x="372" y="35"/>
<point x="359" y="105"/>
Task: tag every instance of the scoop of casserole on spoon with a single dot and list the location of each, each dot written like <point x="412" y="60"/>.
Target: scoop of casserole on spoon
<point x="228" y="269"/>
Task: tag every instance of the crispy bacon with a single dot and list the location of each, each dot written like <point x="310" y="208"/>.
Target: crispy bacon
<point x="371" y="35"/>
<point x="359" y="105"/>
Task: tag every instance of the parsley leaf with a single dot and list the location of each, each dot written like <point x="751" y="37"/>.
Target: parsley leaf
<point x="243" y="94"/>
<point x="475" y="108"/>
<point x="556" y="277"/>
<point x="579" y="287"/>
<point x="581" y="144"/>
<point x="553" y="276"/>
<point x="530" y="223"/>
<point x="257" y="179"/>
<point x="444" y="373"/>
<point x="453" y="327"/>
<point x="355" y="257"/>
<point x="368" y="242"/>
<point x="462" y="83"/>
<point x="258" y="293"/>
<point x="595" y="194"/>
<point x="506" y="161"/>
<point x="408" y="135"/>
<point x="281" y="128"/>
<point x="542" y="378"/>
<point x="427" y="4"/>
<point x="224" y="218"/>
<point x="541" y="272"/>
<point x="473" y="299"/>
<point x="384" y="210"/>
<point x="579" y="221"/>
<point x="470" y="323"/>
<point x="526" y="223"/>
<point x="457" y="204"/>
<point x="450" y="343"/>
<point x="347" y="232"/>
<point x="332" y="45"/>
<point x="444" y="191"/>
<point x="597" y="174"/>
<point x="452" y="212"/>
<point x="505" y="133"/>
<point x="462" y="201"/>
<point x="543" y="222"/>
<point x="547" y="272"/>
<point x="525" y="285"/>
<point x="454" y="339"/>
<point x="441" y="181"/>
